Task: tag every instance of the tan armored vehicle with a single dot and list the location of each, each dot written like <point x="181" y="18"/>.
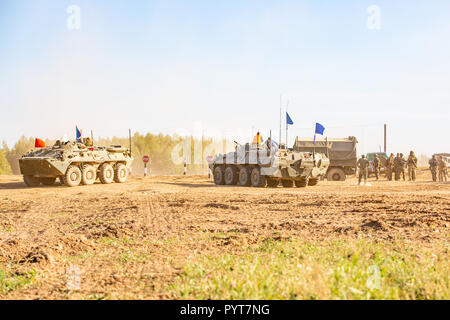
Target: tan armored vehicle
<point x="341" y="151"/>
<point x="262" y="165"/>
<point x="75" y="163"/>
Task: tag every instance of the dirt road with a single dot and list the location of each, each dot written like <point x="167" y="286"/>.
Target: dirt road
<point x="130" y="240"/>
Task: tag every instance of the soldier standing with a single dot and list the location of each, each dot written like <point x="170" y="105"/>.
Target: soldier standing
<point x="446" y="172"/>
<point x="402" y="163"/>
<point x="397" y="167"/>
<point x="442" y="170"/>
<point x="363" y="165"/>
<point x="389" y="166"/>
<point x="433" y="167"/>
<point x="376" y="166"/>
<point x="412" y="166"/>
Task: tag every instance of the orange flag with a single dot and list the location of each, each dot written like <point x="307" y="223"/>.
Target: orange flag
<point x="38" y="143"/>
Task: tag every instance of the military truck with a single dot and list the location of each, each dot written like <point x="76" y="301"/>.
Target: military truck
<point x="341" y="152"/>
<point x="75" y="163"/>
<point x="263" y="165"/>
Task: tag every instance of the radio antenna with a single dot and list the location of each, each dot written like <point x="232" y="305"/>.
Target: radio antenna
<point x="129" y="136"/>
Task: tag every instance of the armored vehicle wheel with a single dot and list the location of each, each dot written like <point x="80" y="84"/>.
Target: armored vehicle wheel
<point x="106" y="173"/>
<point x="89" y="174"/>
<point x="48" y="181"/>
<point x="287" y="183"/>
<point x="272" y="183"/>
<point x="31" y="181"/>
<point x="302" y="183"/>
<point x="73" y="176"/>
<point x="219" y="175"/>
<point x="244" y="177"/>
<point x="336" y="174"/>
<point x="231" y="176"/>
<point x="313" y="182"/>
<point x="258" y="180"/>
<point x="120" y="173"/>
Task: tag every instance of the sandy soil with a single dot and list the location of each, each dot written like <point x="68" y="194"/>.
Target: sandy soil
<point x="130" y="240"/>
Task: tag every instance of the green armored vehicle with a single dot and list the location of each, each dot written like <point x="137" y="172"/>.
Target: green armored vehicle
<point x="263" y="165"/>
<point x="75" y="163"/>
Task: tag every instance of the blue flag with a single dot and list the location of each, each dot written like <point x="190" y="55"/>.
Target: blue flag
<point x="78" y="133"/>
<point x="288" y="119"/>
<point x="319" y="128"/>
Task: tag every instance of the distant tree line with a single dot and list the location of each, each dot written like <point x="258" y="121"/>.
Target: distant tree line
<point x="167" y="153"/>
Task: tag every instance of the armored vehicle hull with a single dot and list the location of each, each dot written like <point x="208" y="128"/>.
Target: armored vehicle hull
<point x="75" y="163"/>
<point x="259" y="166"/>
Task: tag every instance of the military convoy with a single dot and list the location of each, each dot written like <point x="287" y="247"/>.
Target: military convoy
<point x="263" y="165"/>
<point x="75" y="163"/>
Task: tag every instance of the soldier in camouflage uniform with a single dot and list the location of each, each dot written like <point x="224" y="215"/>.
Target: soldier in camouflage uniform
<point x="446" y="171"/>
<point x="412" y="166"/>
<point x="402" y="163"/>
<point x="433" y="167"/>
<point x="363" y="165"/>
<point x="389" y="166"/>
<point x="397" y="167"/>
<point x="376" y="166"/>
<point x="442" y="170"/>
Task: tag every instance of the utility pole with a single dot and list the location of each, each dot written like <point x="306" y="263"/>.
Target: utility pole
<point x="385" y="134"/>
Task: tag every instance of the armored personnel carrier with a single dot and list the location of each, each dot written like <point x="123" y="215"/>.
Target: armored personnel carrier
<point x="262" y="165"/>
<point x="75" y="163"/>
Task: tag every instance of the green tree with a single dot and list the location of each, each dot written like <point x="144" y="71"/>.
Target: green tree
<point x="5" y="168"/>
<point x="20" y="148"/>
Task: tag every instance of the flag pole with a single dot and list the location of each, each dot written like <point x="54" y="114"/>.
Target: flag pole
<point x="314" y="146"/>
<point x="279" y="138"/>
<point x="287" y="126"/>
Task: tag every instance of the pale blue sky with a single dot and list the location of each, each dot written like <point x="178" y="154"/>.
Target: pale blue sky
<point x="162" y="66"/>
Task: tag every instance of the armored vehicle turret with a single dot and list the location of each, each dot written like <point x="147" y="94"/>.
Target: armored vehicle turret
<point x="75" y="163"/>
<point x="263" y="165"/>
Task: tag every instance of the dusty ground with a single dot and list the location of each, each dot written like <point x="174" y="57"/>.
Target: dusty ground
<point x="131" y="240"/>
